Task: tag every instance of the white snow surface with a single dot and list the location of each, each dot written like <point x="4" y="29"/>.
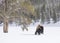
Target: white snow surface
<point x="16" y="35"/>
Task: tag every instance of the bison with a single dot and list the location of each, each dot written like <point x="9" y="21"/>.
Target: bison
<point x="39" y="30"/>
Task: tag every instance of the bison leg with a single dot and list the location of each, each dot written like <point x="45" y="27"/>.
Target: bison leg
<point x="36" y="33"/>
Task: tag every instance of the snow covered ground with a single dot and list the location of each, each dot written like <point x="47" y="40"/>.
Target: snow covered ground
<point x="16" y="35"/>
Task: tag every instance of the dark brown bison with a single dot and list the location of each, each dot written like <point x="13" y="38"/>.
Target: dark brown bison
<point x="39" y="30"/>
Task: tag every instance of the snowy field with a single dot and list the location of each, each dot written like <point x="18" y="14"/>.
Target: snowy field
<point x="16" y="35"/>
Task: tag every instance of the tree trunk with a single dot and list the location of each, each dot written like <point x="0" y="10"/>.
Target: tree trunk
<point x="5" y="25"/>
